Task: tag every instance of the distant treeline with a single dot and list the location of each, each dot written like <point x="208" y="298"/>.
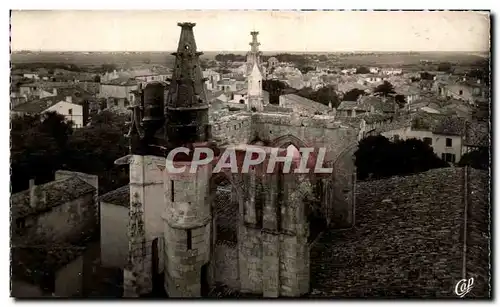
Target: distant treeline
<point x="281" y="57"/>
<point x="50" y="66"/>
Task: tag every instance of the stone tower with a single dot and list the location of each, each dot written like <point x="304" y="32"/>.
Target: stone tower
<point x="187" y="216"/>
<point x="254" y="75"/>
<point x="145" y="227"/>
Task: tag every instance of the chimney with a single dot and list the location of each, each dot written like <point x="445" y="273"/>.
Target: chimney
<point x="69" y="99"/>
<point x="32" y="189"/>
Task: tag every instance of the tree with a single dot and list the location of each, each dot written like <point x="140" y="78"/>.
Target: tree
<point x="446" y="67"/>
<point x="38" y="143"/>
<point x="426" y="76"/>
<point x="306" y="69"/>
<point x="384" y="89"/>
<point x="324" y="95"/>
<point x="377" y="157"/>
<point x="42" y="144"/>
<point x="362" y="70"/>
<point x="400" y="100"/>
<point x="275" y="88"/>
<point x="108" y="67"/>
<point x="353" y="94"/>
<point x="479" y="159"/>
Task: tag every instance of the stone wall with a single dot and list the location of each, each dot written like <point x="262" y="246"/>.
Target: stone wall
<point x="187" y="231"/>
<point x="315" y="131"/>
<point x="226" y="265"/>
<point x="93" y="180"/>
<point x="183" y="265"/>
<point x="233" y="129"/>
<point x="69" y="222"/>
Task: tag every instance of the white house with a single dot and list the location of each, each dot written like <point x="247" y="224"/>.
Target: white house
<point x="31" y="76"/>
<point x="152" y="77"/>
<point x="65" y="106"/>
<point x="444" y="134"/>
<point x="71" y="111"/>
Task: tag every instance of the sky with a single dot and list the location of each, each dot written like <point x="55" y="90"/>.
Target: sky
<point x="292" y="31"/>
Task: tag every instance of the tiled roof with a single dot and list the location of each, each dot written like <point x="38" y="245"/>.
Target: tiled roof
<point x="243" y="91"/>
<point x="119" y="197"/>
<point x="477" y="134"/>
<point x="424" y="121"/>
<point x="450" y="125"/>
<point x="378" y="103"/>
<point x="308" y="104"/>
<point x="47" y="84"/>
<point x="211" y="95"/>
<point x="351" y="105"/>
<point x="275" y="108"/>
<point x="374" y="117"/>
<point x="124" y="81"/>
<point x="56" y="193"/>
<point x="408" y="239"/>
<point x="39" y="105"/>
<point x="38" y="265"/>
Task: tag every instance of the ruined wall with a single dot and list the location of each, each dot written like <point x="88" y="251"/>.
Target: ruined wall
<point x="319" y="131"/>
<point x="226" y="264"/>
<point x="233" y="129"/>
<point x="316" y="131"/>
<point x="341" y="213"/>
<point x="272" y="244"/>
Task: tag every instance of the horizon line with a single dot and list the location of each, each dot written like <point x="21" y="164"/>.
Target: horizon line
<point x="278" y="51"/>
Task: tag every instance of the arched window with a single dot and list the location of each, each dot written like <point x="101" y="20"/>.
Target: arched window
<point x="293" y="151"/>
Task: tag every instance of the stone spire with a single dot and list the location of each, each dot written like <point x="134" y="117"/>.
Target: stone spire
<point x="186" y="106"/>
<point x="254" y="75"/>
<point x="255" y="43"/>
<point x="253" y="56"/>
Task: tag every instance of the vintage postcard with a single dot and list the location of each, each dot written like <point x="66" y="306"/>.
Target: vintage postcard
<point x="250" y="154"/>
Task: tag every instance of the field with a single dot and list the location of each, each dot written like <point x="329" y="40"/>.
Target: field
<point x="165" y="58"/>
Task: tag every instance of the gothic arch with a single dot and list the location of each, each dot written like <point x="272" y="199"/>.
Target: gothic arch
<point x="351" y="149"/>
<point x="289" y="139"/>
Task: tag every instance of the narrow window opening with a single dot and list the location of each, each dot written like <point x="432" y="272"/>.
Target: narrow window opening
<point x="172" y="191"/>
<point x="189" y="240"/>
